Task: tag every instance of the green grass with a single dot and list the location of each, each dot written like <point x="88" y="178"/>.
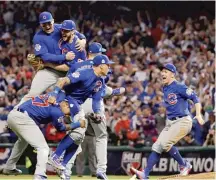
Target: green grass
<point x="29" y="177"/>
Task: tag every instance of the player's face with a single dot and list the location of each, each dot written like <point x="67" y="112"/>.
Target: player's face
<point x="104" y="69"/>
<point x="48" y="27"/>
<point x="65" y="107"/>
<point x="67" y="35"/>
<point x="167" y="76"/>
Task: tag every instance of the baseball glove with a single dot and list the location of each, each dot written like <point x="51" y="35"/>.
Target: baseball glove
<point x="95" y="118"/>
<point x="36" y="62"/>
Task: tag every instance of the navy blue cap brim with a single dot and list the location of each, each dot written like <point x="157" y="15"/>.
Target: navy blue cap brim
<point x="45" y="21"/>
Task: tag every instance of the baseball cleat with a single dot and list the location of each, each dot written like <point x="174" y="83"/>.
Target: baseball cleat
<point x="54" y="161"/>
<point x="101" y="175"/>
<point x="39" y="177"/>
<point x="11" y="172"/>
<point x="139" y="174"/>
<point x="185" y="170"/>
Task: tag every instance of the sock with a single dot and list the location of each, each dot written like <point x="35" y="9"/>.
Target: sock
<point x="152" y="160"/>
<point x="174" y="153"/>
<point x="70" y="151"/>
<point x="63" y="145"/>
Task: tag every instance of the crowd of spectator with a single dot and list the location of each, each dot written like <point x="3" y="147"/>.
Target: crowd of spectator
<point x="139" y="48"/>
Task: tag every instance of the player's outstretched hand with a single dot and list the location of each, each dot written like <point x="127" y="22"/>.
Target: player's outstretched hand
<point x="80" y="45"/>
<point x="70" y="56"/>
<point x="199" y="119"/>
<point x="82" y="123"/>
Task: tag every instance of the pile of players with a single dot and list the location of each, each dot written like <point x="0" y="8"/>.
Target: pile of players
<point x="77" y="98"/>
<point x="76" y="101"/>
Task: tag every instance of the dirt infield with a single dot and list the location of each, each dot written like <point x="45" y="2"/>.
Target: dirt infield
<point x="209" y="175"/>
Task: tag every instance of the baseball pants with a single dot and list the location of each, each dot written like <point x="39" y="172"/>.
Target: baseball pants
<point x="28" y="132"/>
<point x="101" y="142"/>
<point x="88" y="146"/>
<point x="172" y="133"/>
<point x="42" y="81"/>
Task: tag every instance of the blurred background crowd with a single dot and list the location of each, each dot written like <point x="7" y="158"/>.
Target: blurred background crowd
<point x="140" y="41"/>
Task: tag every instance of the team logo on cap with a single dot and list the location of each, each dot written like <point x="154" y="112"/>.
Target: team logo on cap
<point x="172" y="98"/>
<point x="44" y="17"/>
<point x="103" y="61"/>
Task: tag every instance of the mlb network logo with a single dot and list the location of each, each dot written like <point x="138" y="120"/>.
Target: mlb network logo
<point x="131" y="159"/>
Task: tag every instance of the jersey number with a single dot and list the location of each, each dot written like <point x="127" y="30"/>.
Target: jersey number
<point x="44" y="98"/>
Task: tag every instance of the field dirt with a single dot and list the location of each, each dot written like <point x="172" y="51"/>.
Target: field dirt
<point x="209" y="175"/>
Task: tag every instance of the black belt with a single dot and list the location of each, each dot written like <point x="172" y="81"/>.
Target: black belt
<point x="20" y="110"/>
<point x="175" y="118"/>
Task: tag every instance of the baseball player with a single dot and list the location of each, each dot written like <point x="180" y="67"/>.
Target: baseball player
<point x="99" y="129"/>
<point x="79" y="85"/>
<point x="179" y="122"/>
<point x="24" y="122"/>
<point x="46" y="46"/>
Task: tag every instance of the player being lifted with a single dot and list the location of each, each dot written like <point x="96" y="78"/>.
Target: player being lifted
<point x="46" y="47"/>
<point x="179" y="122"/>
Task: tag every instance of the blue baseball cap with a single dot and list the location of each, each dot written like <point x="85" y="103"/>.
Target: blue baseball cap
<point x="170" y="67"/>
<point x="45" y="17"/>
<point x="68" y="25"/>
<point x="101" y="59"/>
<point x="96" y="47"/>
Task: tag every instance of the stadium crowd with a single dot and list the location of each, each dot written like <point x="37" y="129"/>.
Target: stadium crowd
<point x="139" y="47"/>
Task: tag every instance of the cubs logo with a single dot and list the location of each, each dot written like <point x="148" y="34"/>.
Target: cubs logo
<point x="172" y="98"/>
<point x="64" y="51"/>
<point x="131" y="159"/>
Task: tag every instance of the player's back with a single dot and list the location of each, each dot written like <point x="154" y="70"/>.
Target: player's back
<point x="83" y="89"/>
<point x="81" y="65"/>
<point x="39" y="109"/>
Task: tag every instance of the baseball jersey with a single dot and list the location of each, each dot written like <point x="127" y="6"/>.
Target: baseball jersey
<point x="42" y="112"/>
<point x="84" y="84"/>
<point x="47" y="47"/>
<point x="66" y="47"/>
<point x="175" y="99"/>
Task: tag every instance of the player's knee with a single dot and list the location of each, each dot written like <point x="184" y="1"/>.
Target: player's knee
<point x="157" y="147"/>
<point x="166" y="146"/>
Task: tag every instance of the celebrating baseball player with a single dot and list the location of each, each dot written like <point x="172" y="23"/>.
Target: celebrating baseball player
<point x="46" y="47"/>
<point x="80" y="85"/>
<point x="179" y="123"/>
<point x="24" y="121"/>
<point x="99" y="128"/>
